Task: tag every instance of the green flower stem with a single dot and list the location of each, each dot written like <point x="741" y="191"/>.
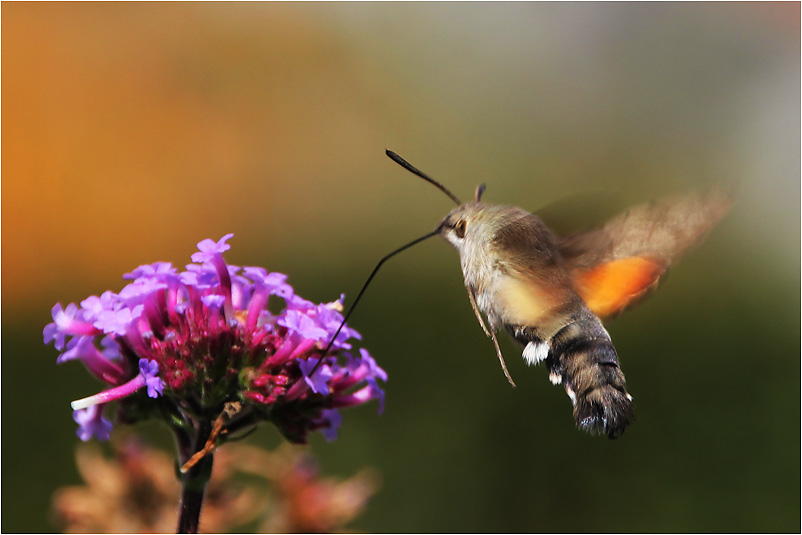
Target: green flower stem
<point x="194" y="482"/>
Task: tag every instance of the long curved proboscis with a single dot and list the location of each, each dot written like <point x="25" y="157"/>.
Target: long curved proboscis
<point x="362" y="291"/>
<point x="414" y="170"/>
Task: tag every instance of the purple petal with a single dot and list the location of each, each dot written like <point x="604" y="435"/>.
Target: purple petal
<point x="92" y="423"/>
<point x="275" y="282"/>
<point x="213" y="301"/>
<point x="117" y="321"/>
<point x="141" y="288"/>
<point x="299" y="303"/>
<point x="331" y="319"/>
<point x="111" y="349"/>
<point x="378" y="393"/>
<point x="319" y="382"/>
<point x="209" y="248"/>
<point x="94" y="305"/>
<point x="149" y="370"/>
<point x="333" y="419"/>
<point x="66" y="322"/>
<point x="296" y="321"/>
<point x="363" y="395"/>
<point x="51" y="332"/>
<point x="375" y="370"/>
<point x="151" y="270"/>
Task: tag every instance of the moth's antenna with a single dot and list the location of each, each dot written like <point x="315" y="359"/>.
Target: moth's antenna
<point x="364" y="287"/>
<point x="479" y="190"/>
<point x="412" y="169"/>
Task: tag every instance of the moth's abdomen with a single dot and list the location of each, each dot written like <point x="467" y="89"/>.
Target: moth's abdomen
<point x="596" y="385"/>
<point x="582" y="358"/>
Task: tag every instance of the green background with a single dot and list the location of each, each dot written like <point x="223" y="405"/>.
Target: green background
<point x="133" y="131"/>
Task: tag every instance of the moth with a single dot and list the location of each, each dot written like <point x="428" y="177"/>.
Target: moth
<point x="551" y="292"/>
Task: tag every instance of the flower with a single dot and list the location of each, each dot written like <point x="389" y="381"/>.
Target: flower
<point x="182" y="345"/>
<point x="92" y="423"/>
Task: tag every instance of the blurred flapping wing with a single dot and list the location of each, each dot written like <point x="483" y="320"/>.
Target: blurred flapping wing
<point x="615" y="266"/>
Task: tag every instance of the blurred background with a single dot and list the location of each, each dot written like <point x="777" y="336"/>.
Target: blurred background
<point x="132" y="131"/>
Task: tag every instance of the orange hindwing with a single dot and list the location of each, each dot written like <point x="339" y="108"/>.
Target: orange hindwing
<point x="610" y="287"/>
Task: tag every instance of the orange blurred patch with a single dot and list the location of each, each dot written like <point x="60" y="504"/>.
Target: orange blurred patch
<point x="609" y="288"/>
<point x="130" y="132"/>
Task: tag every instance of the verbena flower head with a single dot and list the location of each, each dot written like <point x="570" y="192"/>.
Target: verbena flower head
<point x="181" y="345"/>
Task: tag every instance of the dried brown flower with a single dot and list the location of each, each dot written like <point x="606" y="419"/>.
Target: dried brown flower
<point x="136" y="491"/>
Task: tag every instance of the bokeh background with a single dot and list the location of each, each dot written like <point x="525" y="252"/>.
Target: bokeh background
<point x="132" y="131"/>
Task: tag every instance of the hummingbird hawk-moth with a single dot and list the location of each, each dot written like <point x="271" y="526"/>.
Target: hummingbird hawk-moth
<point x="551" y="293"/>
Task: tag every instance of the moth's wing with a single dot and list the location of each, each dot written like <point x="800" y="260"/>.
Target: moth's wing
<point x="580" y="211"/>
<point x="615" y="266"/>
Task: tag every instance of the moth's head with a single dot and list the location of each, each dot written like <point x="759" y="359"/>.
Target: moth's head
<point x="467" y="222"/>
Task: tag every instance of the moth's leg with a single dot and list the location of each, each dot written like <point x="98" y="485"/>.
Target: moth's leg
<point x="492" y="335"/>
<point x="478" y="314"/>
<point x="501" y="359"/>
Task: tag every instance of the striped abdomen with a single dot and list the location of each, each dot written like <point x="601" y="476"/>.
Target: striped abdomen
<point x="581" y="357"/>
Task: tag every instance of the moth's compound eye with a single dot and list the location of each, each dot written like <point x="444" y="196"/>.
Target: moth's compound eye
<point x="459" y="228"/>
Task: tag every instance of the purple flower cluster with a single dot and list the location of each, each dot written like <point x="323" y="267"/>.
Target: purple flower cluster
<point x="180" y="345"/>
